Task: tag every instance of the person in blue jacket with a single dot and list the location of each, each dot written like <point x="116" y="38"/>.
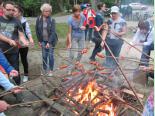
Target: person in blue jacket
<point x="99" y="19"/>
<point x="5" y="64"/>
<point x="5" y="83"/>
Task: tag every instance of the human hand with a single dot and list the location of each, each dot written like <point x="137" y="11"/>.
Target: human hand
<point x="3" y="106"/>
<point x="31" y="42"/>
<point x="47" y="45"/>
<point x="83" y="28"/>
<point x="96" y="28"/>
<point x="40" y="45"/>
<point x="12" y="42"/>
<point x="17" y="89"/>
<point x="69" y="45"/>
<point x="13" y="73"/>
<point x="25" y="43"/>
<point x="102" y="43"/>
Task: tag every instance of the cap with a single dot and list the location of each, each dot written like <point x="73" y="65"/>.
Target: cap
<point x="114" y="9"/>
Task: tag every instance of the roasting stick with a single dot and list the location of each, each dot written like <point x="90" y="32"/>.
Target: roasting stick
<point x="31" y="102"/>
<point x="129" y="44"/>
<point x="120" y="68"/>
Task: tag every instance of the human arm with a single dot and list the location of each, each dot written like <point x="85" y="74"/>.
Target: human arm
<point x="22" y="38"/>
<point x="7" y="40"/>
<point x="8" y="86"/>
<point x="69" y="33"/>
<point x="28" y="32"/>
<point x="150" y="38"/>
<point x="123" y="31"/>
<point x="37" y="32"/>
<point x="69" y="37"/>
<point x="52" y="35"/>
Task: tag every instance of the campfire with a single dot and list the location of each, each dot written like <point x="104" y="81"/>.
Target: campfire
<point x="93" y="96"/>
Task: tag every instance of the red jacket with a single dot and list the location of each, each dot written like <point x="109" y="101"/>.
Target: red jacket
<point x="90" y="20"/>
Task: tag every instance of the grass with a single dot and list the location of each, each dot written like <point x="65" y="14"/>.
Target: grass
<point x="61" y="29"/>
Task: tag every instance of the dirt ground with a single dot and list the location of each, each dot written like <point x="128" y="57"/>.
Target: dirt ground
<point x="35" y="64"/>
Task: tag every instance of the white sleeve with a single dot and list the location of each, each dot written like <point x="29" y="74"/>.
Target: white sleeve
<point x="28" y="30"/>
<point x="149" y="39"/>
<point x="4" y="82"/>
<point x="135" y="39"/>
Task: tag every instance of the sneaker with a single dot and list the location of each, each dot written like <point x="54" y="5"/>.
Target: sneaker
<point x="25" y="78"/>
<point x="50" y="74"/>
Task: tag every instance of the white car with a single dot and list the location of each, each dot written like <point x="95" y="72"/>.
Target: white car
<point x="138" y="6"/>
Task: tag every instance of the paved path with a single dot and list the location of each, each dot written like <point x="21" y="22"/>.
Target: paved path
<point x="60" y="19"/>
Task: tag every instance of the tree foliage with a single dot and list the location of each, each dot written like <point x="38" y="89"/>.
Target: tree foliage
<point x="32" y="7"/>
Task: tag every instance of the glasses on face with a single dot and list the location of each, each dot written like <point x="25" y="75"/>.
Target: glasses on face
<point x="113" y="13"/>
<point x="47" y="11"/>
<point x="10" y="10"/>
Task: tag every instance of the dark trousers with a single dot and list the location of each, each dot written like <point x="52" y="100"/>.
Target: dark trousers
<point x="115" y="46"/>
<point x="147" y="50"/>
<point x="97" y="48"/>
<point x="23" y="54"/>
<point x="88" y="34"/>
<point x="13" y="59"/>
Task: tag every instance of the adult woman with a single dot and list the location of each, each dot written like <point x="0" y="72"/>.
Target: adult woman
<point x="76" y="33"/>
<point x="45" y="30"/>
<point x="18" y="13"/>
<point x="99" y="19"/>
<point x="117" y="27"/>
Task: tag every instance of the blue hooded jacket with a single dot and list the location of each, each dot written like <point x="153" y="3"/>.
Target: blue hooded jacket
<point x="4" y="63"/>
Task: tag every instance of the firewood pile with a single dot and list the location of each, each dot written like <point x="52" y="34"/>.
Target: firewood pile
<point x="86" y="93"/>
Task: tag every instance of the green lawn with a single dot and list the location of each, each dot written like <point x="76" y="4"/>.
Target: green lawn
<point x="61" y="29"/>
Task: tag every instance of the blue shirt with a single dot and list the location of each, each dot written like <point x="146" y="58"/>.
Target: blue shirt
<point x="99" y="19"/>
<point x="75" y="25"/>
<point x="4" y="82"/>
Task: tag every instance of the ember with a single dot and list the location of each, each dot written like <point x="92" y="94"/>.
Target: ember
<point x="92" y="95"/>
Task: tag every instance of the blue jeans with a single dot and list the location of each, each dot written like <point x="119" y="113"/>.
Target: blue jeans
<point x="147" y="50"/>
<point x="115" y="46"/>
<point x="47" y="55"/>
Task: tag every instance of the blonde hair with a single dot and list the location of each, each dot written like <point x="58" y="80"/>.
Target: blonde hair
<point x="45" y="6"/>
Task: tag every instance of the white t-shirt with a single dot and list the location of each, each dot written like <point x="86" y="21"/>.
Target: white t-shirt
<point x="140" y="37"/>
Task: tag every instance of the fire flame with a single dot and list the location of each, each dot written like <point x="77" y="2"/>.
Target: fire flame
<point x="89" y="94"/>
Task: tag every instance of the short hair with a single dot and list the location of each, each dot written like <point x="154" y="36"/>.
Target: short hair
<point x="45" y="6"/>
<point x="76" y="8"/>
<point x="8" y="2"/>
<point x="20" y="9"/>
<point x="100" y="5"/>
<point x="143" y="25"/>
<point x="1" y="2"/>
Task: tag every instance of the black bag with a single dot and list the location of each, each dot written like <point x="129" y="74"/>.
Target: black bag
<point x="54" y="43"/>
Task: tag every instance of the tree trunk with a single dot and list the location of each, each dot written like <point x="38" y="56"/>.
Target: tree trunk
<point x="60" y="4"/>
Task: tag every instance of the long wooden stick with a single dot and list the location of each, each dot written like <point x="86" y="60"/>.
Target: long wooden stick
<point x="130" y="45"/>
<point x="120" y="68"/>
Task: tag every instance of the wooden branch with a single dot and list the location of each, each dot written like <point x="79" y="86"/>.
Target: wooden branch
<point x="131" y="93"/>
